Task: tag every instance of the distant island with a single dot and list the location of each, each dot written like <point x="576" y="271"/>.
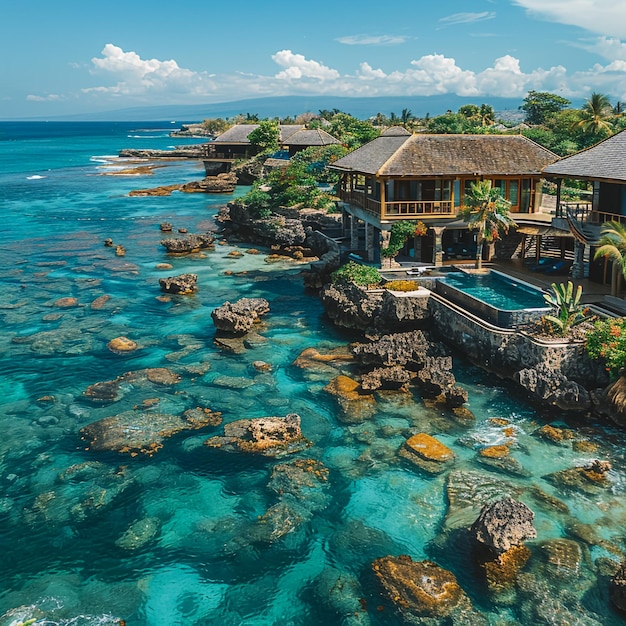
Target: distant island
<point x="363" y="108"/>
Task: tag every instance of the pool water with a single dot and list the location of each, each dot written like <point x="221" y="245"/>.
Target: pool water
<point x="497" y="289"/>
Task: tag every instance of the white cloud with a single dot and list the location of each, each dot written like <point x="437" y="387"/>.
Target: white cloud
<point x="605" y="17"/>
<point x="51" y="97"/>
<point x="367" y="72"/>
<point x="607" y="47"/>
<point x="467" y="18"/>
<point x="129" y="78"/>
<point x="136" y="75"/>
<point x="372" y="40"/>
<point x="296" y="67"/>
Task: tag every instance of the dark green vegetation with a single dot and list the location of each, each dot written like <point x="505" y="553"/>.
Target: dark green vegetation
<point x="358" y="274"/>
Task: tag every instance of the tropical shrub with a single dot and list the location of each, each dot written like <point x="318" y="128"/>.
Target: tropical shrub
<point x="352" y="272"/>
<point x="567" y="310"/>
<point x="401" y="285"/>
<point x="400" y="232"/>
<point x="607" y="341"/>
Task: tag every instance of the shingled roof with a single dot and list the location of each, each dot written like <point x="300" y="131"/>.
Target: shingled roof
<point x="238" y="134"/>
<point x="316" y="137"/>
<point x="604" y="161"/>
<point x="448" y="155"/>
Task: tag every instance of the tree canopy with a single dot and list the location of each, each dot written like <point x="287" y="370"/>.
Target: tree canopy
<point x="266" y="136"/>
<point x="538" y="105"/>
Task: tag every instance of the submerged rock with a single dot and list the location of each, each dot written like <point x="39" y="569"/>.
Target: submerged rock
<point x="355" y="406"/>
<point x="183" y="284"/>
<point x="504" y="524"/>
<point x="386" y="378"/>
<point x="122" y="345"/>
<point x="113" y="390"/>
<point x="267" y="436"/>
<point x="422" y="589"/>
<point x="190" y="243"/>
<point x="343" y="593"/>
<point x="427" y="453"/>
<point x="302" y="487"/>
<point x="617" y="588"/>
<point x="468" y="492"/>
<point x="139" y="534"/>
<point x="239" y="317"/>
<point x="140" y="432"/>
<point x="590" y="479"/>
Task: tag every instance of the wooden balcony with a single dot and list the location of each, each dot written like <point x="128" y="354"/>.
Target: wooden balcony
<point x="406" y="209"/>
<point x="583" y="212"/>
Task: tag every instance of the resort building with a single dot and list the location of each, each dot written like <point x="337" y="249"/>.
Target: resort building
<point x="404" y="176"/>
<point x="233" y="145"/>
<point x="604" y="167"/>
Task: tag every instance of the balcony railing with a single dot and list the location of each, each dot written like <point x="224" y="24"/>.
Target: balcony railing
<point x="399" y="210"/>
<point x="584" y="212"/>
<point x="416" y="208"/>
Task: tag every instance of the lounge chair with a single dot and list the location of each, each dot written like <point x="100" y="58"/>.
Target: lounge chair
<point x="560" y="268"/>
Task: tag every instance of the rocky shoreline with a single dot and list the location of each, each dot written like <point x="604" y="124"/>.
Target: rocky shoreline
<point x="552" y="374"/>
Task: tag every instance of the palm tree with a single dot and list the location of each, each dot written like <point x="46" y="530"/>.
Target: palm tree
<point x="613" y="247"/>
<point x="406" y="116"/>
<point x="595" y="113"/>
<point x="486" y="211"/>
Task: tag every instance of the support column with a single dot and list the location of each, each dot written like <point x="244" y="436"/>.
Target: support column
<point x="345" y="223"/>
<point x="578" y="268"/>
<point x="417" y="248"/>
<point x="370" y="248"/>
<point x="438" y="248"/>
<point x="385" y="236"/>
<point x="354" y="233"/>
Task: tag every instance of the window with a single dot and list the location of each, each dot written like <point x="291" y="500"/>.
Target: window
<point x="514" y="192"/>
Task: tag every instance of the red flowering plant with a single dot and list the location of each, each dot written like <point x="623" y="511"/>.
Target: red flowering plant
<point x="420" y="229"/>
<point x="607" y="341"/>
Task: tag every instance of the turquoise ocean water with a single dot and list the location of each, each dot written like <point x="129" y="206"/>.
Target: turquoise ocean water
<point x="176" y="538"/>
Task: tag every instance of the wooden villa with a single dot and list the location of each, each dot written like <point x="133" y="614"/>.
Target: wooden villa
<point x="604" y="167"/>
<point x="306" y="138"/>
<point x="234" y="145"/>
<point x="404" y="176"/>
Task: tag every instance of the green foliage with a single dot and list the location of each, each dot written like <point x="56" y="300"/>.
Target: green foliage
<point x="352" y="272"/>
<point x="400" y="232"/>
<point x="538" y="105"/>
<point x="607" y="341"/>
<point x="290" y="187"/>
<point x="266" y="136"/>
<point x="567" y="310"/>
<point x="613" y="244"/>
<point x="595" y="114"/>
<point x="216" y="125"/>
<point x="316" y="159"/>
<point x="487" y="212"/>
<point x="351" y="131"/>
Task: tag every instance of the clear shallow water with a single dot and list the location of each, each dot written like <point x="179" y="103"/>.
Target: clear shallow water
<point x="65" y="512"/>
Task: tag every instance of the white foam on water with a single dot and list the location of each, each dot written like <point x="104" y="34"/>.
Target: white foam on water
<point x="35" y="177"/>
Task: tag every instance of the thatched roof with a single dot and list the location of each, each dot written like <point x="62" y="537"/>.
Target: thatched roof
<point x="604" y="161"/>
<point x="316" y="137"/>
<point x="448" y="155"/>
<point x="238" y="134"/>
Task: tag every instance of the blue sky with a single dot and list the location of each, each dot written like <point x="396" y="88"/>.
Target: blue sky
<point x="73" y="56"/>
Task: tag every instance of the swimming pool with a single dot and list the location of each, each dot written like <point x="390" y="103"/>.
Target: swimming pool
<point x="499" y="298"/>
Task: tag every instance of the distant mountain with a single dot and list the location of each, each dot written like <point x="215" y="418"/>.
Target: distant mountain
<point x="282" y="106"/>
